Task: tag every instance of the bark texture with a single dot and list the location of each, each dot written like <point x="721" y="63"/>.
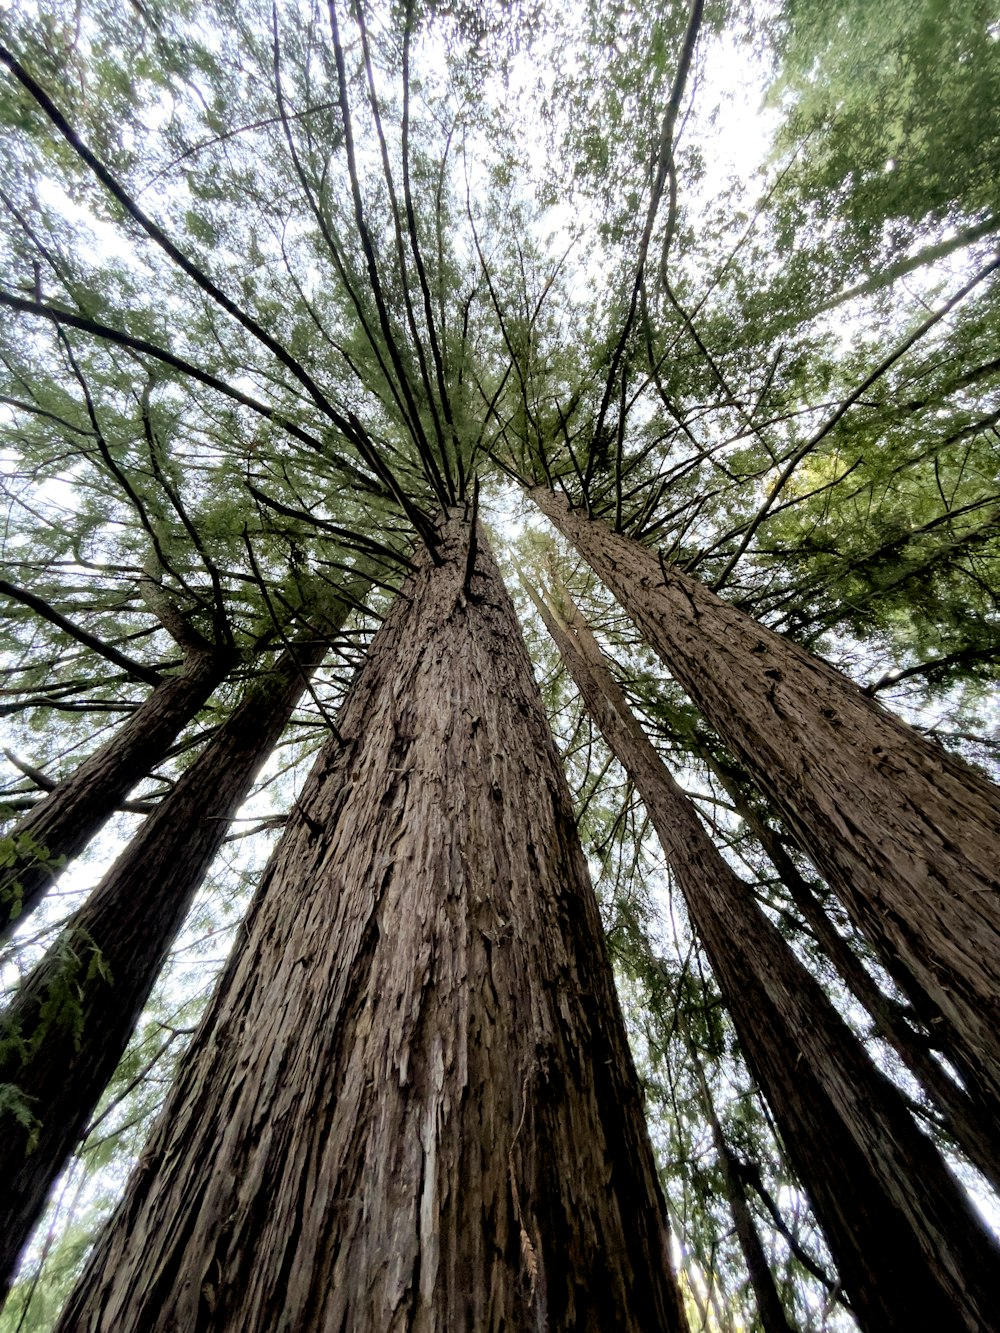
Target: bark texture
<point x="411" y="1104"/>
<point x="68" y="1025"/>
<point x="905" y="834"/>
<point x="910" y="1249"/>
<point x="66" y="819"/>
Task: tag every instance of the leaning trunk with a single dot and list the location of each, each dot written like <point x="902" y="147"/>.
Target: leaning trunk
<point x="68" y="1025"/>
<point x="411" y="1104"/>
<point x="64" y="821"/>
<point x="905" y="834"/>
<point x="910" y="1250"/>
<point x="770" y="1307"/>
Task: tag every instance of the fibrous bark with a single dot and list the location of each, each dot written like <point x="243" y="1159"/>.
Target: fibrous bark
<point x="909" y="1247"/>
<point x="68" y="1025"/>
<point x="905" y="834"/>
<point x="411" y="1104"/>
<point x="65" y="820"/>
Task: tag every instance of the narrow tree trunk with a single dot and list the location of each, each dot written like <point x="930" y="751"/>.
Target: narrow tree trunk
<point x="893" y="272"/>
<point x="905" y="834"/>
<point x="974" y="1130"/>
<point x="411" y="1105"/>
<point x="65" y="820"/>
<point x="770" y="1307"/>
<point x="69" y="1023"/>
<point x="910" y="1249"/>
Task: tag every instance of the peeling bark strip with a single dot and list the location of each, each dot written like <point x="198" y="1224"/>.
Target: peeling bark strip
<point x="905" y="834"/>
<point x="411" y="1105"/>
<point x="65" y="820"/>
<point x="69" y="1023"/>
<point x="910" y="1250"/>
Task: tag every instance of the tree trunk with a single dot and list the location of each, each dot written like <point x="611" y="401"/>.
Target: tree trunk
<point x="905" y="834"/>
<point x="770" y="1307"/>
<point x="411" y="1105"/>
<point x="975" y="1133"/>
<point x="69" y="1023"/>
<point x="910" y="1249"/>
<point x="65" y="820"/>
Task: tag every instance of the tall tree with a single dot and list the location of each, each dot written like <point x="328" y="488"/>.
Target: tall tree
<point x="68" y="1024"/>
<point x="839" y="1118"/>
<point x="320" y="233"/>
<point x="427" y="924"/>
<point x="974" y="1132"/>
<point x="773" y="1316"/>
<point x="61" y="824"/>
<point x="911" y="851"/>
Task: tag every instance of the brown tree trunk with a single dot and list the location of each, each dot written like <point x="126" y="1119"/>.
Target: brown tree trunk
<point x="905" y="834"/>
<point x="770" y="1307"/>
<point x="411" y="1105"/>
<point x="65" y="820"/>
<point x="909" y="1247"/>
<point x="976" y="1133"/>
<point x="69" y="1023"/>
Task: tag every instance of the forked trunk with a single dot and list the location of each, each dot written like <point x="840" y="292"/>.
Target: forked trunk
<point x="905" y="834"/>
<point x="910" y="1250"/>
<point x="411" y="1104"/>
<point x="68" y="1025"/>
<point x="65" y="820"/>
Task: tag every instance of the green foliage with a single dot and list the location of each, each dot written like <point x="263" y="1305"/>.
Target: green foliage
<point x="15" y="1105"/>
<point x="19" y="853"/>
<point x="897" y="107"/>
<point x="73" y="963"/>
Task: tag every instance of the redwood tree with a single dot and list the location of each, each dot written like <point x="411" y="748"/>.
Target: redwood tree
<point x="976" y="1133"/>
<point x="907" y="1242"/>
<point x="64" y="820"/>
<point x="356" y="324"/>
<point x="415" y="1067"/>
<point x="773" y="1316"/>
<point x="906" y="834"/>
<point x="67" y="1026"/>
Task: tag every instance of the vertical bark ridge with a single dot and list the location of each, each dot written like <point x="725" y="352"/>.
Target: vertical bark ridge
<point x="909" y="1247"/>
<point x="905" y="834"/>
<point x="68" y="1025"/>
<point x="411" y="1104"/>
<point x="66" y="819"/>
